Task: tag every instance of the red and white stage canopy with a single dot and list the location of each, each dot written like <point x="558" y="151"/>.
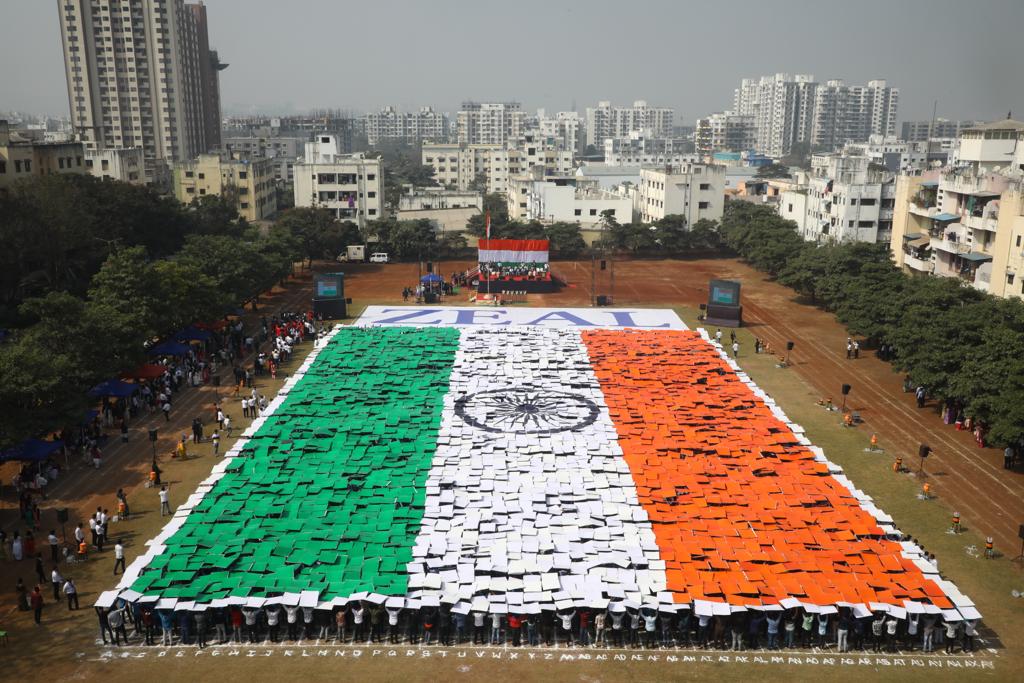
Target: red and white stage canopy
<point x="513" y="251"/>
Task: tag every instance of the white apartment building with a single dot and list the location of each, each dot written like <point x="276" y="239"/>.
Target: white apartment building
<point x="844" y="113"/>
<point x="141" y="74"/>
<point x="967" y="220"/>
<point x="725" y="132"/>
<point x="349" y="185"/>
<point x="609" y="177"/>
<point x="392" y="126"/>
<point x="283" y="151"/>
<point x="563" y="198"/>
<point x="565" y="128"/>
<point x="605" y="121"/>
<point x="843" y="201"/>
<point x="901" y="157"/>
<point x="490" y="123"/>
<point x="790" y="110"/>
<point x="642" y="148"/>
<point x="693" y="190"/>
<point x="127" y="165"/>
<point x="23" y="157"/>
<point x="460" y="166"/>
<point x="919" y="131"/>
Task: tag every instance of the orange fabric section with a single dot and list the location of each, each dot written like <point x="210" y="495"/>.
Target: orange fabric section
<point x="741" y="511"/>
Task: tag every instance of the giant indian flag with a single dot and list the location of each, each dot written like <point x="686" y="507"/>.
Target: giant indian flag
<point x="517" y="461"/>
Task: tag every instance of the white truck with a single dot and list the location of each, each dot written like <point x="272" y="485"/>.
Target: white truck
<point x="353" y="253"/>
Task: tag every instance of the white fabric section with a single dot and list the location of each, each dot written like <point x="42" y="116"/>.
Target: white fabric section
<point x="531" y="519"/>
<point x="511" y="256"/>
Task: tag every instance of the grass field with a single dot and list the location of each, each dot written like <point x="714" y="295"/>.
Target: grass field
<point x="65" y="649"/>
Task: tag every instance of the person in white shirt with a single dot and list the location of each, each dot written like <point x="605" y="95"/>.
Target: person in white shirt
<point x="566" y="618"/>
<point x="599" y="627"/>
<point x="291" y="614"/>
<point x="273" y="616"/>
<point x="118" y="556"/>
<point x="58" y="582"/>
<point x="165" y="505"/>
<point x="496" y="628"/>
<point x="54" y="547"/>
<point x="478" y="627"/>
<point x="393" y="632"/>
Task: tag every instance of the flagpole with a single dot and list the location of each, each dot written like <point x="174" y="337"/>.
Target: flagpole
<point x="487" y="233"/>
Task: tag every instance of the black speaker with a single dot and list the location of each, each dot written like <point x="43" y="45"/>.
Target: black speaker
<point x="846" y="389"/>
<point x="152" y="434"/>
<point x="924" y="450"/>
<point x="604" y="264"/>
<point x="790" y="345"/>
<point x="430" y="266"/>
<point x="62" y="515"/>
<point x="1020" y="532"/>
<point x="703" y="307"/>
<point x="602" y="300"/>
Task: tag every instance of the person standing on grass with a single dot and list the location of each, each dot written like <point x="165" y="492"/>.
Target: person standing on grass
<point x="215" y="438"/>
<point x="735" y="349"/>
<point x="227" y="425"/>
<point x="165" y="505"/>
<point x="57" y="581"/>
<point x="118" y="556"/>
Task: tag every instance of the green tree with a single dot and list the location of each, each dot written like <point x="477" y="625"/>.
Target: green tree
<point x="773" y="170"/>
<point x="565" y="239"/>
<point x="318" y="233"/>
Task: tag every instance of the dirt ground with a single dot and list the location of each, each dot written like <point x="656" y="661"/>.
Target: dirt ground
<point x="967" y="478"/>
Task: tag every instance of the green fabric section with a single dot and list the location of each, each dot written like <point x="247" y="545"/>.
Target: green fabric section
<point x="328" y="495"/>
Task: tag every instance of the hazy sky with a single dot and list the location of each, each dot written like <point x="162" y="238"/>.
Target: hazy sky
<point x="294" y="55"/>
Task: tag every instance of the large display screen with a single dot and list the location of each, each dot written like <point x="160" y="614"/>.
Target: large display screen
<point x="724" y="292"/>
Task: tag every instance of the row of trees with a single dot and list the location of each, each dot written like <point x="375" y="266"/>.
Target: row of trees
<point x="962" y="344"/>
<point x="84" y="290"/>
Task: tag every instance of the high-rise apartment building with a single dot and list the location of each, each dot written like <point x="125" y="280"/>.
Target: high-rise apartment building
<point x="490" y="123"/>
<point x="605" y="121"/>
<point x="791" y="110"/>
<point x="140" y="74"/>
<point x="725" y="132"/>
<point x="392" y="126"/>
<point x="919" y="131"/>
<point x="852" y="113"/>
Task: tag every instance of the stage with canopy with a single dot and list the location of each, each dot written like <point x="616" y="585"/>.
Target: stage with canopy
<point x="515" y="265"/>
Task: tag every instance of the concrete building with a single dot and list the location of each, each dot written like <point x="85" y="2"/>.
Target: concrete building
<point x="901" y="157"/>
<point x="462" y="166"/>
<point x="919" y="131"/>
<point x="605" y="121"/>
<point x="490" y="123"/>
<point x="791" y="110"/>
<point x="565" y="128"/>
<point x="693" y="190"/>
<point x="125" y="165"/>
<point x="725" y="132"/>
<point x="390" y="126"/>
<point x="250" y="182"/>
<point x="283" y="151"/>
<point x="844" y="113"/>
<point x="967" y="220"/>
<point x="349" y="185"/>
<point x="22" y="158"/>
<point x="448" y="210"/>
<point x="563" y="198"/>
<point x="609" y="177"/>
<point x="141" y="74"/>
<point x="845" y="200"/>
<point x="641" y="148"/>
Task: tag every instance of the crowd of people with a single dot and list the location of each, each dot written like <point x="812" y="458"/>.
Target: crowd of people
<point x="504" y="271"/>
<point x="619" y="627"/>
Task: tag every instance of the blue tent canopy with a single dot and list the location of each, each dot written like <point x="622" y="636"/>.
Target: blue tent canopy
<point x="192" y="333"/>
<point x="430" y="278"/>
<point x="113" y="387"/>
<point x="31" y="450"/>
<point x="169" y="348"/>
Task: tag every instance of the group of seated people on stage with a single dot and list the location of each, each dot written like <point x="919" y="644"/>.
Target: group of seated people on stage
<point x="496" y="270"/>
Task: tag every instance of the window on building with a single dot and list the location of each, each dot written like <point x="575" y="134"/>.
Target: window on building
<point x="28" y="165"/>
<point x="78" y="161"/>
<point x="1018" y="240"/>
<point x="371" y="195"/>
<point x="868" y="202"/>
<point x="371" y="176"/>
<point x="202" y="176"/>
<point x="372" y="212"/>
<point x="242" y="175"/>
<point x="703" y="205"/>
<point x="790" y="209"/>
<point x="244" y="205"/>
<point x="853" y="201"/>
<point x="3" y="169"/>
<point x="865" y="224"/>
<point x="705" y="186"/>
<point x="1009" y="278"/>
<point x="105" y="165"/>
<point x="60" y="162"/>
<point x="852" y="223"/>
<point x="593" y="212"/>
<point x="202" y="190"/>
<point x="190" y="190"/>
<point x="577" y="212"/>
<point x="189" y="174"/>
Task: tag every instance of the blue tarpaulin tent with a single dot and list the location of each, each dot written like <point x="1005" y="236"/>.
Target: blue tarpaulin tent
<point x="113" y="387"/>
<point x="430" y="278"/>
<point x="31" y="450"/>
<point x="192" y="333"/>
<point x="169" y="348"/>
